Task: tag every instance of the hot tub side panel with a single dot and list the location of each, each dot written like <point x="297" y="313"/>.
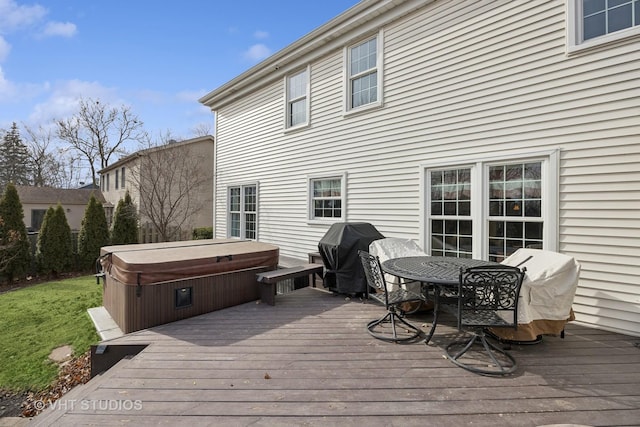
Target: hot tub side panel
<point x="136" y="307"/>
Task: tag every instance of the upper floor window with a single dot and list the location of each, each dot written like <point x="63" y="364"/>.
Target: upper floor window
<point x="364" y="73"/>
<point x="122" y="177"/>
<point x="327" y="197"/>
<point x="297" y="95"/>
<point x="602" y="17"/>
<point x="117" y="175"/>
<point x="107" y="184"/>
<point x="595" y="22"/>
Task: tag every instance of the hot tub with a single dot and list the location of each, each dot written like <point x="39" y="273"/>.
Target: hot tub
<point x="151" y="284"/>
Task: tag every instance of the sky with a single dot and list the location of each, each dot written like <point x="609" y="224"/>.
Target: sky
<point x="155" y="57"/>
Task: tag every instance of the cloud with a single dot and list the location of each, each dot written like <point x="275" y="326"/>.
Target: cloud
<point x="257" y="52"/>
<point x="190" y="95"/>
<point x="63" y="29"/>
<point x="5" y="48"/>
<point x="261" y="35"/>
<point x="64" y="98"/>
<point x="13" y="16"/>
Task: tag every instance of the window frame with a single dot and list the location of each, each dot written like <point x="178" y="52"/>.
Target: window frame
<point x="311" y="218"/>
<point x="574" y="31"/>
<point x="242" y="211"/>
<point x="122" y="181"/>
<point x="348" y="107"/>
<point x="480" y="189"/>
<point x="307" y="96"/>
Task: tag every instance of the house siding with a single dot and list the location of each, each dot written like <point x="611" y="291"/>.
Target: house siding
<point x="460" y="79"/>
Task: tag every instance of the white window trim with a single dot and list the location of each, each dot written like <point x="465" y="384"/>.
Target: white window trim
<point x="228" y="210"/>
<point x="575" y="44"/>
<point x="343" y="191"/>
<point x="307" y="122"/>
<point x="348" y="110"/>
<point x="479" y="215"/>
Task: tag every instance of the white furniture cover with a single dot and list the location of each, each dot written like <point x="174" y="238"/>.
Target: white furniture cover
<point x="394" y="247"/>
<point x="546" y="295"/>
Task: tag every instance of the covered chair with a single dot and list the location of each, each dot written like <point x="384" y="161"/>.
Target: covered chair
<point x="547" y="294"/>
<point x="487" y="296"/>
<point x="391" y="327"/>
<point x="395" y="247"/>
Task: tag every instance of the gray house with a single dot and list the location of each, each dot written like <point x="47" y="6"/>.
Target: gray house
<point x="473" y="128"/>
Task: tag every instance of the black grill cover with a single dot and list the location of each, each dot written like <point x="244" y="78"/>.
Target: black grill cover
<point x="339" y="251"/>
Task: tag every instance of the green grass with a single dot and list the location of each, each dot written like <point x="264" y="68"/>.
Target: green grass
<point x="37" y="319"/>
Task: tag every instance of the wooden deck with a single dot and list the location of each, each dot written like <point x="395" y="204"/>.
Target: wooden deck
<point x="309" y="361"/>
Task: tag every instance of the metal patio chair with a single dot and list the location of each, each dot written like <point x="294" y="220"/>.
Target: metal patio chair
<point x="387" y="328"/>
<point x="487" y="296"/>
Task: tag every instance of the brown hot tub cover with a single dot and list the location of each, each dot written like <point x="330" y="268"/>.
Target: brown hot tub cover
<point x="159" y="262"/>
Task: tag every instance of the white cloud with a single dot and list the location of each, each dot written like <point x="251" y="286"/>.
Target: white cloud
<point x="63" y="29"/>
<point x="261" y="35"/>
<point x="13" y="16"/>
<point x="257" y="52"/>
<point x="5" y="48"/>
<point x="64" y="98"/>
<point x="190" y="95"/>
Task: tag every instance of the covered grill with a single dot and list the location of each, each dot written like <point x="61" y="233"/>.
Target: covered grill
<point x="339" y="251"/>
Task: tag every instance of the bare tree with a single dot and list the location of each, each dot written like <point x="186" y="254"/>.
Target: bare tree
<point x="47" y="165"/>
<point x="98" y="131"/>
<point x="201" y="129"/>
<point x="171" y="179"/>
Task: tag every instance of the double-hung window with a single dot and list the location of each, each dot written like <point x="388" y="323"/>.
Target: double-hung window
<point x="297" y="99"/>
<point x="595" y="22"/>
<point x="243" y="211"/>
<point x="364" y="73"/>
<point x="327" y="198"/>
<point x="489" y="209"/>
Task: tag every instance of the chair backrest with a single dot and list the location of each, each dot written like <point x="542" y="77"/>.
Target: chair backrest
<point x="374" y="274"/>
<point x="488" y="296"/>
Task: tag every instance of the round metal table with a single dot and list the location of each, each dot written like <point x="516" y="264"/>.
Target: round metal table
<point x="431" y="269"/>
<point x="439" y="272"/>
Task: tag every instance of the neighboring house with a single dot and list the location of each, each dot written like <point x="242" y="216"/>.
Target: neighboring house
<point x="175" y="162"/>
<point x="472" y="127"/>
<point x="36" y="200"/>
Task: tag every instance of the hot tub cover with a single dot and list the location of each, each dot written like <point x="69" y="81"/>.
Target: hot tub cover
<point x="159" y="262"/>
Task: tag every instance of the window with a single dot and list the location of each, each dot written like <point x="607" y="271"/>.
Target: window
<point x="490" y="209"/>
<point x="451" y="231"/>
<point x="596" y="22"/>
<point x="327" y="197"/>
<point x="108" y="182"/>
<point x="364" y="73"/>
<point x="117" y="174"/>
<point x="37" y="216"/>
<point x="243" y="212"/>
<point x="122" y="177"/>
<point x="297" y="95"/>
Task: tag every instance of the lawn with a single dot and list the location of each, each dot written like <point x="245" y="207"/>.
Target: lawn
<point x="37" y="319"/>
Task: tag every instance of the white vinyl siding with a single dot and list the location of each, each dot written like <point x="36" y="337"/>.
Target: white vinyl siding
<point x="461" y="80"/>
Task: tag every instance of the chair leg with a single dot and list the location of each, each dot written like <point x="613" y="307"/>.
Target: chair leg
<point x="393" y="320"/>
<point x="502" y="362"/>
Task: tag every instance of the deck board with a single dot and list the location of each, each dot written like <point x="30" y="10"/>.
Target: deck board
<point x="309" y="361"/>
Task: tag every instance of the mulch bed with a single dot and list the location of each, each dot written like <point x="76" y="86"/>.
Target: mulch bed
<point x="29" y="404"/>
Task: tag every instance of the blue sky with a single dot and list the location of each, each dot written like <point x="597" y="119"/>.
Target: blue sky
<point x="157" y="57"/>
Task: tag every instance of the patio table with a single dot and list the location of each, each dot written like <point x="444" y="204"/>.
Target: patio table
<point x="439" y="272"/>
